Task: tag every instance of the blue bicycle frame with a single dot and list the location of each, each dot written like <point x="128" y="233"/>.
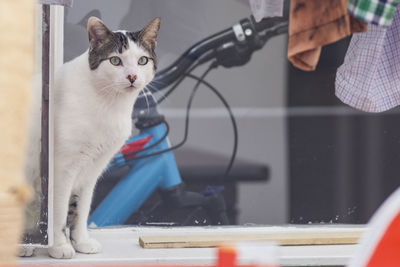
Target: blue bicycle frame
<point x="145" y="176"/>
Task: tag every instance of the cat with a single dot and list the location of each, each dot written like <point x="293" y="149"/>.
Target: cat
<point x="94" y="95"/>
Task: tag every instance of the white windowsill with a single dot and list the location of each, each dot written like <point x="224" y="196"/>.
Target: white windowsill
<point x="120" y="246"/>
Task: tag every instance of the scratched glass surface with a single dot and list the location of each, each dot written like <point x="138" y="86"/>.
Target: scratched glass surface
<point x="303" y="157"/>
<point x="35" y="231"/>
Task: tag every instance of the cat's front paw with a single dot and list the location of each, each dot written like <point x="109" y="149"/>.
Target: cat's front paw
<point x="26" y="251"/>
<point x="88" y="246"/>
<point x="62" y="251"/>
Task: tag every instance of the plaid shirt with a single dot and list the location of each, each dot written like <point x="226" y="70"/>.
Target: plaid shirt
<point x="378" y="12"/>
<point x="369" y="78"/>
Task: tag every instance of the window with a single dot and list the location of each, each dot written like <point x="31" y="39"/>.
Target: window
<point x="303" y="156"/>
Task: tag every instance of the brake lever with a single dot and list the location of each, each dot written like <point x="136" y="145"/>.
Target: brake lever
<point x="250" y="37"/>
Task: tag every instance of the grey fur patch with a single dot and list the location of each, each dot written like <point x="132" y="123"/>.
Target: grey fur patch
<point x="123" y="41"/>
<point x="65" y="232"/>
<point x="151" y="52"/>
<point x="116" y="42"/>
<point x="72" y="211"/>
<point x="136" y="37"/>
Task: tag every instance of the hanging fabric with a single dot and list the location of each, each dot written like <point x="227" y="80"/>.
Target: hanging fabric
<point x="378" y="12"/>
<point x="369" y="78"/>
<point x="315" y="23"/>
<point x="266" y="8"/>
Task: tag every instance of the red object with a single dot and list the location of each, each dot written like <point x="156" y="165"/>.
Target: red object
<point x="128" y="150"/>
<point x="226" y="257"/>
<point x="387" y="252"/>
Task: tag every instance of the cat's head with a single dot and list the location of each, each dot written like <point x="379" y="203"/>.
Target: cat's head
<point x="122" y="61"/>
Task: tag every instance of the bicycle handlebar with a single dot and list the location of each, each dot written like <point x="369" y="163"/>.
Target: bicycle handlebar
<point x="246" y="32"/>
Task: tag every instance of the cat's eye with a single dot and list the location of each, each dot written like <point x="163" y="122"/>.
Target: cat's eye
<point x="143" y="60"/>
<point x="116" y="61"/>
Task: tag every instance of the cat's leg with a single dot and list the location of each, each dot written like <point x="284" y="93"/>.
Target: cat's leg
<point x="79" y="212"/>
<point x="83" y="190"/>
<point x="62" y="247"/>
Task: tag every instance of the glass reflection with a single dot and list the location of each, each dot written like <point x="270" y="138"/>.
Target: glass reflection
<point x="303" y="156"/>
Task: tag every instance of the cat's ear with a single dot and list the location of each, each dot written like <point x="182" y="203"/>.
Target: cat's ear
<point x="148" y="35"/>
<point x="98" y="32"/>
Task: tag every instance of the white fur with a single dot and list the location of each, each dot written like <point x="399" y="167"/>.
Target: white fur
<point x="92" y="121"/>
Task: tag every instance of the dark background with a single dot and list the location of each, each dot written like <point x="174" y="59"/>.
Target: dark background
<point x="343" y="163"/>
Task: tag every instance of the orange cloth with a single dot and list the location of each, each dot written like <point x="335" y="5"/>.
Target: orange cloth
<point x="315" y="23"/>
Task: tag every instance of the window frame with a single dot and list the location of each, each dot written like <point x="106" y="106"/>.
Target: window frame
<point x="52" y="31"/>
<point x="53" y="34"/>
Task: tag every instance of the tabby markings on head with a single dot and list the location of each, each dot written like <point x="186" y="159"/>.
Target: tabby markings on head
<point x="103" y="42"/>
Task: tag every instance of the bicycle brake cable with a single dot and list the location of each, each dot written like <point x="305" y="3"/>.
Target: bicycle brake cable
<point x="232" y="117"/>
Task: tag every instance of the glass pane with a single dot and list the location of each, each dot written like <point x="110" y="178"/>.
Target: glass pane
<point x="302" y="156"/>
<point x="36" y="210"/>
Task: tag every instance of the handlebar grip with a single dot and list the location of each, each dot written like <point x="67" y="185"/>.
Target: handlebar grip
<point x="268" y="23"/>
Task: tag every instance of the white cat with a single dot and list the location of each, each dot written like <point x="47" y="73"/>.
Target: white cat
<point x="94" y="97"/>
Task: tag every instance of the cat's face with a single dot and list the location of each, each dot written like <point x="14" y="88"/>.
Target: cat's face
<point x="122" y="61"/>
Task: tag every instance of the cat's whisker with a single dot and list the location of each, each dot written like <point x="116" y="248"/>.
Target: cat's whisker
<point x="162" y="96"/>
<point x="112" y="85"/>
<point x="148" y="88"/>
<point x="103" y="88"/>
<point x="159" y="82"/>
<point x="150" y="85"/>
<point x="155" y="85"/>
<point x="107" y="92"/>
<point x="147" y="100"/>
<point x="111" y="95"/>
<point x="151" y="94"/>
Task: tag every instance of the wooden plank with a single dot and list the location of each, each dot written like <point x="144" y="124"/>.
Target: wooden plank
<point x="285" y="239"/>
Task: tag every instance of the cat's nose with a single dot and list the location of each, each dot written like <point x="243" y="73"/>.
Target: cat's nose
<point x="131" y="78"/>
